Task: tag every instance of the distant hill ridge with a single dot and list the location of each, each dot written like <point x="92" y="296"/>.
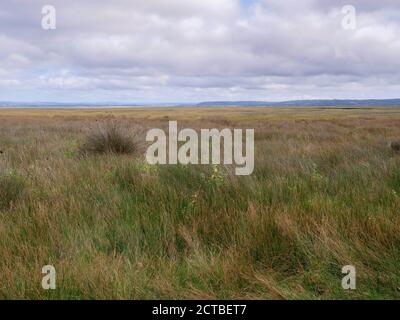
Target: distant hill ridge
<point x="310" y="103"/>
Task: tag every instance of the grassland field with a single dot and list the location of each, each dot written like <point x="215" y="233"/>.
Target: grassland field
<point x="325" y="193"/>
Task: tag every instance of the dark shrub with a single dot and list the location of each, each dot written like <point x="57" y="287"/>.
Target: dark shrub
<point x="395" y="145"/>
<point x="108" y="139"/>
<point x="12" y="188"/>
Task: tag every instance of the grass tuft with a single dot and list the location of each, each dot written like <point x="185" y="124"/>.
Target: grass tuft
<point x="108" y="139"/>
<point x="12" y="188"/>
<point x="395" y="145"/>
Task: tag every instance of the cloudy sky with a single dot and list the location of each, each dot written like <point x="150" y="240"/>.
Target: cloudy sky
<point x="198" y="50"/>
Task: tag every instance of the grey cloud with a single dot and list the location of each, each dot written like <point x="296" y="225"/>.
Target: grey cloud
<point x="201" y="50"/>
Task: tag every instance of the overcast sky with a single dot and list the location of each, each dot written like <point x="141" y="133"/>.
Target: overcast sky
<point x="198" y="50"/>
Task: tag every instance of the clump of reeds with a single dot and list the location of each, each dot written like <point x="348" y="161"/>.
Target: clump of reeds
<point x="109" y="139"/>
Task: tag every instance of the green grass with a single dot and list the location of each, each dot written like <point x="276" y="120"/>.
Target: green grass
<point x="324" y="194"/>
<point x="11" y="189"/>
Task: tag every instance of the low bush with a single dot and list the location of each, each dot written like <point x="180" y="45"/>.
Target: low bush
<point x="108" y="139"/>
<point x="12" y="188"/>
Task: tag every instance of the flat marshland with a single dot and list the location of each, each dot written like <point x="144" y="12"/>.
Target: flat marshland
<point x="325" y="193"/>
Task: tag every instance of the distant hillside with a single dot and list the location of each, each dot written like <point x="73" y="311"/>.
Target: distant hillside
<point x="311" y="103"/>
<point x="292" y="103"/>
